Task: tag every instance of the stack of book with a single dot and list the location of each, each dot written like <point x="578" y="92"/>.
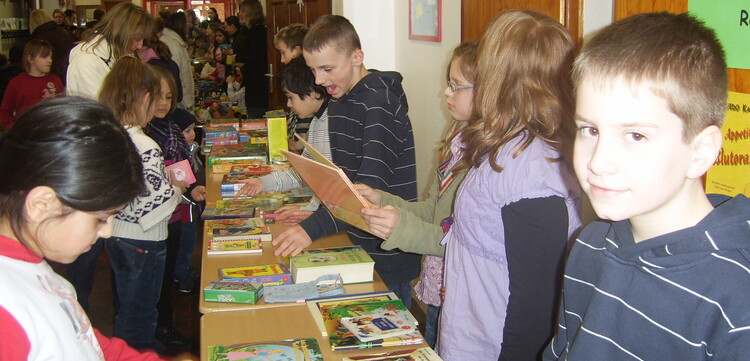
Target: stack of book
<point x="352" y="263"/>
<point x="237" y="151"/>
<point x="256" y="169"/>
<point x="223" y="166"/>
<point x="220" y="134"/>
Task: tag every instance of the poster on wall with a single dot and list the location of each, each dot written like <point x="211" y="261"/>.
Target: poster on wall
<point x="731" y="21"/>
<point x="425" y="20"/>
<point x="730" y="173"/>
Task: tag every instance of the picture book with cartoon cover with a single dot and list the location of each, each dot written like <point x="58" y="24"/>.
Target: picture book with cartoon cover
<point x="342" y="338"/>
<point x="212" y="224"/>
<point x="375" y="320"/>
<point x="319" y="307"/>
<point x="263" y="233"/>
<point x="298" y="349"/>
<point x="354" y="265"/>
<point x="267" y="274"/>
<point x="234" y="247"/>
<point x="415" y="354"/>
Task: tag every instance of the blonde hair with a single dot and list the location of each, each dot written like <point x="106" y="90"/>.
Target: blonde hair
<point x="38" y="17"/>
<point x="34" y="48"/>
<point x="171" y="83"/>
<point x="523" y="87"/>
<point x="332" y="30"/>
<point x="677" y="55"/>
<point x="125" y="84"/>
<point x="120" y="26"/>
<point x="465" y="56"/>
<point x="292" y="35"/>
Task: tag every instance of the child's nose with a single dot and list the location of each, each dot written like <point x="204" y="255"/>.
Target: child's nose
<point x="603" y="159"/>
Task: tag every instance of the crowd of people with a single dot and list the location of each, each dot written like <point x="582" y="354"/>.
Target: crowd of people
<point x="508" y="272"/>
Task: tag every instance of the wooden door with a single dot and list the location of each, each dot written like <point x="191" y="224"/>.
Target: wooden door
<point x="280" y="13"/>
<point x="739" y="79"/>
<point x="476" y="13"/>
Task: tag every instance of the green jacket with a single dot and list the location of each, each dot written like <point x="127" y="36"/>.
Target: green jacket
<point x="419" y="229"/>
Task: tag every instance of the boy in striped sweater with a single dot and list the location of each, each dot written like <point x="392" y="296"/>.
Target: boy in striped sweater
<point x="665" y="274"/>
<point x="371" y="141"/>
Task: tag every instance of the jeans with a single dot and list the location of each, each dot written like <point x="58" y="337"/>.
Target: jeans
<point x="431" y="325"/>
<point x="164" y="306"/>
<point x="403" y="291"/>
<point x="188" y="238"/>
<point x="80" y="273"/>
<point x="138" y="267"/>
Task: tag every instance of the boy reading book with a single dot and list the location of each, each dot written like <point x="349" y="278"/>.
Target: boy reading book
<point x="371" y="141"/>
<point x="665" y="274"/>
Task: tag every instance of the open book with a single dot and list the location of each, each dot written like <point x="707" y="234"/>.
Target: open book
<point x="331" y="185"/>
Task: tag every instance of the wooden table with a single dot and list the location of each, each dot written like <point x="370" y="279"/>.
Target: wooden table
<point x="272" y="324"/>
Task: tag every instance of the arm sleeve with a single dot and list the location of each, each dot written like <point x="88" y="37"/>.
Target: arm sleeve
<point x="536" y="233"/>
<point x="281" y="181"/>
<point x="86" y="75"/>
<point x="153" y="168"/>
<point x="415" y="231"/>
<point x="8" y="105"/>
<point x="116" y="349"/>
<point x="14" y="343"/>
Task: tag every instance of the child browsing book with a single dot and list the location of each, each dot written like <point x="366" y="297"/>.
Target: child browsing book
<point x="288" y="41"/>
<point x="420" y="226"/>
<point x="309" y="100"/>
<point x="140" y="229"/>
<point x="518" y="204"/>
<point x="70" y="177"/>
<point x="31" y="86"/>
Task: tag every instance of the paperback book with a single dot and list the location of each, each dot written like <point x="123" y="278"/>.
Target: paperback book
<point x="267" y="274"/>
<point x="298" y="349"/>
<point x="418" y="354"/>
<point x="234" y="247"/>
<point x="354" y="265"/>
<point x="221" y="166"/>
<point x="212" y="224"/>
<point x="237" y="151"/>
<point x="319" y="308"/>
<point x="372" y="321"/>
<point x="262" y="233"/>
<point x="181" y="171"/>
<point x="232" y="292"/>
<point x="228" y="212"/>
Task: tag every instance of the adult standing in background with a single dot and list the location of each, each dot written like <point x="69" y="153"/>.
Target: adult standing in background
<point x="71" y="19"/>
<point x="175" y="33"/>
<point x="120" y="32"/>
<point x="98" y="14"/>
<point x="213" y="16"/>
<point x="59" y="17"/>
<point x="42" y="27"/>
<point x="249" y="46"/>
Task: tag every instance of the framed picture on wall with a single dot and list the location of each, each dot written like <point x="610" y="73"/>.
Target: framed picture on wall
<point x="425" y="20"/>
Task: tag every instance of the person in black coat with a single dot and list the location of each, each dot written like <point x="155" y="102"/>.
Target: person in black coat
<point x="44" y="28"/>
<point x="249" y="46"/>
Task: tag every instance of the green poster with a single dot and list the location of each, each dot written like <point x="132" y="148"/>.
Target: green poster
<point x="731" y="20"/>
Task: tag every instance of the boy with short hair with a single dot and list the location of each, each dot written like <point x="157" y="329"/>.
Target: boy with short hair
<point x="665" y="275"/>
<point x="288" y="41"/>
<point x="371" y="141"/>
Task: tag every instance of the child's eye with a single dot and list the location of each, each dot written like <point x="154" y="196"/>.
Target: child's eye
<point x="588" y="131"/>
<point x="637" y="136"/>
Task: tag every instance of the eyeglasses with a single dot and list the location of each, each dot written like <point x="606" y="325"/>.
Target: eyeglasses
<point x="455" y="87"/>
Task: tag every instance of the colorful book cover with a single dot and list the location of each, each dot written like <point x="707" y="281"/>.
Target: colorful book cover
<point x="378" y="323"/>
<point x="232" y="292"/>
<point x="212" y="224"/>
<point x="235" y="203"/>
<point x="277" y="137"/>
<point x="298" y="349"/>
<point x="256" y="169"/>
<point x="267" y="274"/>
<point x="221" y="166"/>
<point x="222" y="131"/>
<point x="354" y="266"/>
<point x="263" y="233"/>
<point x="234" y="247"/>
<point x="341" y="338"/>
<point x="319" y="307"/>
<point x="243" y="151"/>
<point x="182" y="171"/>
<point x="418" y="354"/>
<point x="332" y="249"/>
<point x="228" y="212"/>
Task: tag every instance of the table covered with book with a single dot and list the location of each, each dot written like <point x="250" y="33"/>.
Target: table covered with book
<point x="238" y="266"/>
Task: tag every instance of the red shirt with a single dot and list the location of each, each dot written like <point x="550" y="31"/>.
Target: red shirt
<point x="24" y="91"/>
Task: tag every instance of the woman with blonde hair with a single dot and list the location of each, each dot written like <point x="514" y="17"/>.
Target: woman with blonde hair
<point x="42" y="27"/>
<point x="120" y="32"/>
<point x="518" y="205"/>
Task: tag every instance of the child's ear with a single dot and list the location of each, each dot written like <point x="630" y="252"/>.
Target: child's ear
<point x="706" y="147"/>
<point x="358" y="57"/>
<point x="41" y="203"/>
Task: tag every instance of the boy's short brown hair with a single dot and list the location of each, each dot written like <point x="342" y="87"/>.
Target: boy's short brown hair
<point x="677" y="54"/>
<point x="34" y="48"/>
<point x="292" y="35"/>
<point x="332" y="30"/>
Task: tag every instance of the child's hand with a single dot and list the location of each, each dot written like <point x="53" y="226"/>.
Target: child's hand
<point x="181" y="185"/>
<point x="252" y="187"/>
<point x="291" y="241"/>
<point x="295" y="146"/>
<point x="198" y="193"/>
<point x="371" y="195"/>
<point x="382" y="221"/>
<point x="291" y="215"/>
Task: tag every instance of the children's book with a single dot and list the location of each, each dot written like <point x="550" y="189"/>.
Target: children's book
<point x="298" y="349"/>
<point x="212" y="224"/>
<point x="376" y="320"/>
<point x="221" y="166"/>
<point x="232" y="292"/>
<point x="262" y="233"/>
<point x="234" y="247"/>
<point x="237" y="151"/>
<point x="341" y="338"/>
<point x="277" y="136"/>
<point x="332" y="186"/>
<point x="181" y="171"/>
<point x="418" y="354"/>
<point x="319" y="307"/>
<point x="256" y="170"/>
<point x="267" y="274"/>
<point x="354" y="265"/>
<point x="228" y="212"/>
<point x="235" y="203"/>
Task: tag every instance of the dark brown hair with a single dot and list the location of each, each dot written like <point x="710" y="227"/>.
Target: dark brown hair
<point x="34" y="48"/>
<point x="125" y="84"/>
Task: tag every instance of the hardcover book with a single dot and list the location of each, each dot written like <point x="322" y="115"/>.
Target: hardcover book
<point x="267" y="274"/>
<point x="341" y="338"/>
<point x="354" y="266"/>
<point x="277" y="136"/>
<point x="181" y="171"/>
<point x="228" y="212"/>
<point x="298" y="349"/>
<point x="319" y="308"/>
<point x="232" y="292"/>
<point x="418" y="354"/>
<point x="262" y="233"/>
<point x="375" y="320"/>
<point x="234" y="247"/>
<point x="257" y="170"/>
<point x="237" y="151"/>
<point x="212" y="224"/>
<point x="221" y="166"/>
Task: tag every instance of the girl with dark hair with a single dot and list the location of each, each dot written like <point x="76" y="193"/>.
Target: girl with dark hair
<point x="69" y="178"/>
<point x="174" y="35"/>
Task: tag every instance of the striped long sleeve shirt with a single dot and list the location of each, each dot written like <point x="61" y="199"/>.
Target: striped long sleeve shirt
<point x="679" y="296"/>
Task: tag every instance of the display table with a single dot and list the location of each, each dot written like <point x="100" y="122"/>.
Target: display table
<point x="272" y="324"/>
